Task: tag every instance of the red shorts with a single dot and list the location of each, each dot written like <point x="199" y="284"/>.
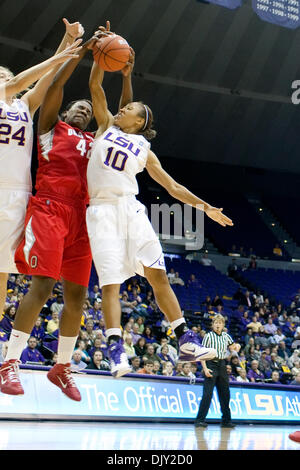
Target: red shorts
<point x="55" y="242"/>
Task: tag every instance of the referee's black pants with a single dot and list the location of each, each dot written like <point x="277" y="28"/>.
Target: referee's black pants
<point x="221" y="381"/>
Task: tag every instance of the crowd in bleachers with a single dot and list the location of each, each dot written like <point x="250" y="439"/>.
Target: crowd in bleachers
<point x="268" y="331"/>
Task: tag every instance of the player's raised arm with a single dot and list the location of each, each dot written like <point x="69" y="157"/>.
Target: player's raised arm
<point x="54" y="96"/>
<point x="102" y="115"/>
<point x="34" y="97"/>
<point x="127" y="92"/>
<point x="181" y="193"/>
<point x="24" y="79"/>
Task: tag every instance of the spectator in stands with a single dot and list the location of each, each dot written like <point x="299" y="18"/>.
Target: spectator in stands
<point x="150" y="353"/>
<point x="255" y="325"/>
<point x="296" y="369"/>
<point x="157" y="368"/>
<point x="167" y="369"/>
<point x="31" y="354"/>
<point x="52" y="361"/>
<point x="186" y="371"/>
<point x="90" y="332"/>
<point x="127" y="331"/>
<point x="275" y="363"/>
<point x="140" y="322"/>
<point x="135" y="364"/>
<point x="296" y="380"/>
<point x="282" y="351"/>
<point x="164" y="355"/>
<point x="296" y="339"/>
<point x="252" y="263"/>
<point x="177" y="280"/>
<point x="172" y="351"/>
<point x="76" y="361"/>
<point x="244" y="321"/>
<point x="242" y="375"/>
<point x="242" y="252"/>
<point x="98" y="362"/>
<point x="135" y="333"/>
<point x="264" y="364"/>
<point x="135" y="297"/>
<point x="148" y="335"/>
<point x="82" y="347"/>
<point x="254" y="374"/>
<point x="258" y="297"/>
<point x="205" y="261"/>
<point x="97" y="345"/>
<point x="95" y="294"/>
<point x="38" y="331"/>
<point x="277" y="251"/>
<point x="282" y="319"/>
<point x="251" y="354"/>
<point x="53" y="324"/>
<point x="277" y="338"/>
<point x="194" y="282"/>
<point x="178" y="368"/>
<point x="235" y="364"/>
<point x="294" y="318"/>
<point x="140" y="347"/>
<point x="231" y="377"/>
<point x="133" y="283"/>
<point x="127" y="307"/>
<point x="7" y="321"/>
<point x="171" y="275"/>
<point x="250" y="344"/>
<point x="96" y="313"/>
<point x="275" y="377"/>
<point x="248" y="335"/>
<point x="148" y="368"/>
<point x="269" y="328"/>
<point x="217" y="301"/>
<point x="129" y="347"/>
<point x="58" y="305"/>
<point x="232" y="269"/>
<point x="247" y="300"/>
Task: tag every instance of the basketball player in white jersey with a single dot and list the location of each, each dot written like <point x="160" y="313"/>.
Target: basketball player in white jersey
<point x="122" y="239"/>
<point x="16" y="136"/>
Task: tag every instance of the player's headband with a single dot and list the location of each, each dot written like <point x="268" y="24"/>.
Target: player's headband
<point x="146" y="118"/>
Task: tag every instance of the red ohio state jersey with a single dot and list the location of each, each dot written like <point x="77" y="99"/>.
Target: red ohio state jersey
<point x="63" y="155"/>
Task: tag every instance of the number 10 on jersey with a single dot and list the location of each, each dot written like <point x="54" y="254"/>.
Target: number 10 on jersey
<point x="116" y="160"/>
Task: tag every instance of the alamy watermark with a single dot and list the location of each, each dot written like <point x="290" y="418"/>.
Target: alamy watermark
<point x="135" y="222"/>
<point x="296" y="94"/>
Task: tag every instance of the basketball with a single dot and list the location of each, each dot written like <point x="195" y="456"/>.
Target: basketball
<point x="111" y="53"/>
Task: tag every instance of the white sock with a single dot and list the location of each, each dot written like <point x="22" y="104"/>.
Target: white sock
<point x="113" y="332"/>
<point x="66" y="346"/>
<point x="177" y="322"/>
<point x="17" y="342"/>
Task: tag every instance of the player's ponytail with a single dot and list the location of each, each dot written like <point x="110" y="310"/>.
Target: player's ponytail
<point x="146" y="130"/>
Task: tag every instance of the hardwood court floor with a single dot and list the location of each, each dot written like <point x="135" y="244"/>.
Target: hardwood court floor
<point x="50" y="435"/>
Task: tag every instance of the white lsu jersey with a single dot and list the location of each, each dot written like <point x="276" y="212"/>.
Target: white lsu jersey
<point x="116" y="158"/>
<point x="16" y="138"/>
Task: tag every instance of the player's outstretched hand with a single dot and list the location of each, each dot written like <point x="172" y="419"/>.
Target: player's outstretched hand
<point x="102" y="32"/>
<point x="75" y="30"/>
<point x="71" y="52"/>
<point x="127" y="70"/>
<point x="216" y="214"/>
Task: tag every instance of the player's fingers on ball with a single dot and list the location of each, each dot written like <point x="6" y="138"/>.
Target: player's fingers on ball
<point x="108" y="25"/>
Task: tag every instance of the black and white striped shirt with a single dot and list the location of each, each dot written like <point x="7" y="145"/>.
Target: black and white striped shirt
<point x="218" y="342"/>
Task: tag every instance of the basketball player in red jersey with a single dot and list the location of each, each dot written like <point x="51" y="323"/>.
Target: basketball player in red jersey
<point x="56" y="243"/>
<point x="16" y="136"/>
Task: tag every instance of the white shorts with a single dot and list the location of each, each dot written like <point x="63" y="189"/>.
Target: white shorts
<point x="13" y="204"/>
<point x="122" y="240"/>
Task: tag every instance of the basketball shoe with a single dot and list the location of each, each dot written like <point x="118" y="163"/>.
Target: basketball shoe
<point x="118" y="359"/>
<point x="61" y="376"/>
<point x="9" y="378"/>
<point x="191" y="349"/>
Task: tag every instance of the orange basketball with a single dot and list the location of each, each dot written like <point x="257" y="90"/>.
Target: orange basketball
<point x="111" y="53"/>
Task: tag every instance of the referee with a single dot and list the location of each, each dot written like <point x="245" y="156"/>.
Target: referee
<point x="216" y="374"/>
